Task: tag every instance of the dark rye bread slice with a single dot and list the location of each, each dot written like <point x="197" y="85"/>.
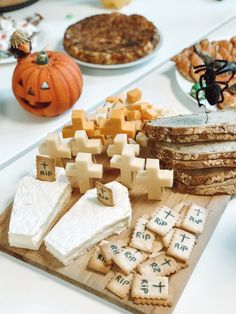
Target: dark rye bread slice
<point x="195" y="151"/>
<point x="198" y="164"/>
<point x="193" y="125"/>
<point x="204" y="176"/>
<point x="227" y="187"/>
<point x="203" y="137"/>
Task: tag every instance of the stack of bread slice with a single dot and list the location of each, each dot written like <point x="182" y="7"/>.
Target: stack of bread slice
<point x="202" y="153"/>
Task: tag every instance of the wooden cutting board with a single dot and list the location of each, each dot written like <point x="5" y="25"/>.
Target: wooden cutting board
<point x="77" y="273"/>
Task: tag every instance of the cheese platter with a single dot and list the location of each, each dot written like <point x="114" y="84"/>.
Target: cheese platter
<point x="77" y="272"/>
<point x="132" y="239"/>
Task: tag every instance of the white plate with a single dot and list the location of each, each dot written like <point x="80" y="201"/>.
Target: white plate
<point x="186" y="86"/>
<point x="37" y="45"/>
<point x="122" y="65"/>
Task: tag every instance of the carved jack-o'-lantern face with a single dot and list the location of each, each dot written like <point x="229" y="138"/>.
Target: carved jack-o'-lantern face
<point x="47" y="84"/>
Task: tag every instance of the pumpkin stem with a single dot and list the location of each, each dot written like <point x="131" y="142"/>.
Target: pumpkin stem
<point x="42" y="58"/>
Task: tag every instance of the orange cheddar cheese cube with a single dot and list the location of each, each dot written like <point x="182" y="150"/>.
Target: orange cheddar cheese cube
<point x="134" y="95"/>
<point x="117" y="124"/>
<point x="149" y="114"/>
<point x="140" y="106"/>
<point x="133" y="115"/>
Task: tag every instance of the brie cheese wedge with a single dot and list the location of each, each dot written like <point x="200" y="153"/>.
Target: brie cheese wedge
<point x="88" y="222"/>
<point x="36" y="205"/>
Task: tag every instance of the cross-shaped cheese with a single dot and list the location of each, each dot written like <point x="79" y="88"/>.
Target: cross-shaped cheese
<point x="82" y="144"/>
<point x="128" y="164"/>
<point x="79" y="122"/>
<point x="81" y="172"/>
<point x="117" y="124"/>
<point x="121" y="141"/>
<point x="53" y="147"/>
<point x="154" y="179"/>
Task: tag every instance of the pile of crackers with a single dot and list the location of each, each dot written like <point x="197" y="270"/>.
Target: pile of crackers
<point x="160" y="245"/>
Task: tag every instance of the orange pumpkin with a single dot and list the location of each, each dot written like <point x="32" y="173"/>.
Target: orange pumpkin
<point x="47" y="83"/>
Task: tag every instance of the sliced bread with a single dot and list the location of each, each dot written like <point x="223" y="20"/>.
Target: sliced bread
<point x="198" y="164"/>
<point x="227" y="187"/>
<point x="196" y="151"/>
<point x="203" y="137"/>
<point x="219" y="122"/>
<point x="204" y="176"/>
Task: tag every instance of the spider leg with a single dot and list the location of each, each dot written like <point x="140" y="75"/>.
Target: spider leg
<point x="200" y="68"/>
<point x="202" y="77"/>
<point x="224" y="63"/>
<point x="222" y="83"/>
<point x="222" y="97"/>
<point x="222" y="90"/>
<point x="197" y="96"/>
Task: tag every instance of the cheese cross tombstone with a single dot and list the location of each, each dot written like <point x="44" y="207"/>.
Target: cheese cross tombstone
<point x="82" y="144"/>
<point x="79" y="122"/>
<point x="128" y="164"/>
<point x="82" y="171"/>
<point x="154" y="179"/>
<point x="53" y="147"/>
<point x="120" y="142"/>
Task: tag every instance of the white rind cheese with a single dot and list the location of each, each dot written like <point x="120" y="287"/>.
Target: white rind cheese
<point x="88" y="222"/>
<point x="36" y="205"/>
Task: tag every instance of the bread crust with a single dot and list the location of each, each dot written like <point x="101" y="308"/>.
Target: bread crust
<point x="204" y="176"/>
<point x="192" y="128"/>
<point x="199" y="164"/>
<point x="228" y="187"/>
<point x="163" y="152"/>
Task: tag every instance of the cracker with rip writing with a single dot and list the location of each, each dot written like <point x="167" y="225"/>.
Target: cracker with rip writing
<point x="120" y="284"/>
<point x="181" y="245"/>
<point x="194" y="219"/>
<point x="97" y="262"/>
<point x="110" y="249"/>
<point x="150" y="287"/>
<point x="163" y="220"/>
<point x="129" y="258"/>
<point x="142" y="238"/>
<point x="161" y="265"/>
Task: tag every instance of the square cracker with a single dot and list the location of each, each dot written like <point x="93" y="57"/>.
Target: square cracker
<point x="142" y="238"/>
<point x="150" y="287"/>
<point x="163" y="220"/>
<point x="194" y="219"/>
<point x="97" y="262"/>
<point x="129" y="258"/>
<point x="120" y="284"/>
<point x="181" y="245"/>
<point x="110" y="249"/>
<point x="161" y="265"/>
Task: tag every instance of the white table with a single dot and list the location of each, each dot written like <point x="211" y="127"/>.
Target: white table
<point x="24" y="289"/>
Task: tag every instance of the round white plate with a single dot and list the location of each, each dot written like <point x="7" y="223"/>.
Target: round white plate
<point x="122" y="65"/>
<point x="186" y="86"/>
<point x="39" y="44"/>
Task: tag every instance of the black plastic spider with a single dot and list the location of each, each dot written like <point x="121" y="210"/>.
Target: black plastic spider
<point x="208" y="84"/>
<point x="211" y="87"/>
